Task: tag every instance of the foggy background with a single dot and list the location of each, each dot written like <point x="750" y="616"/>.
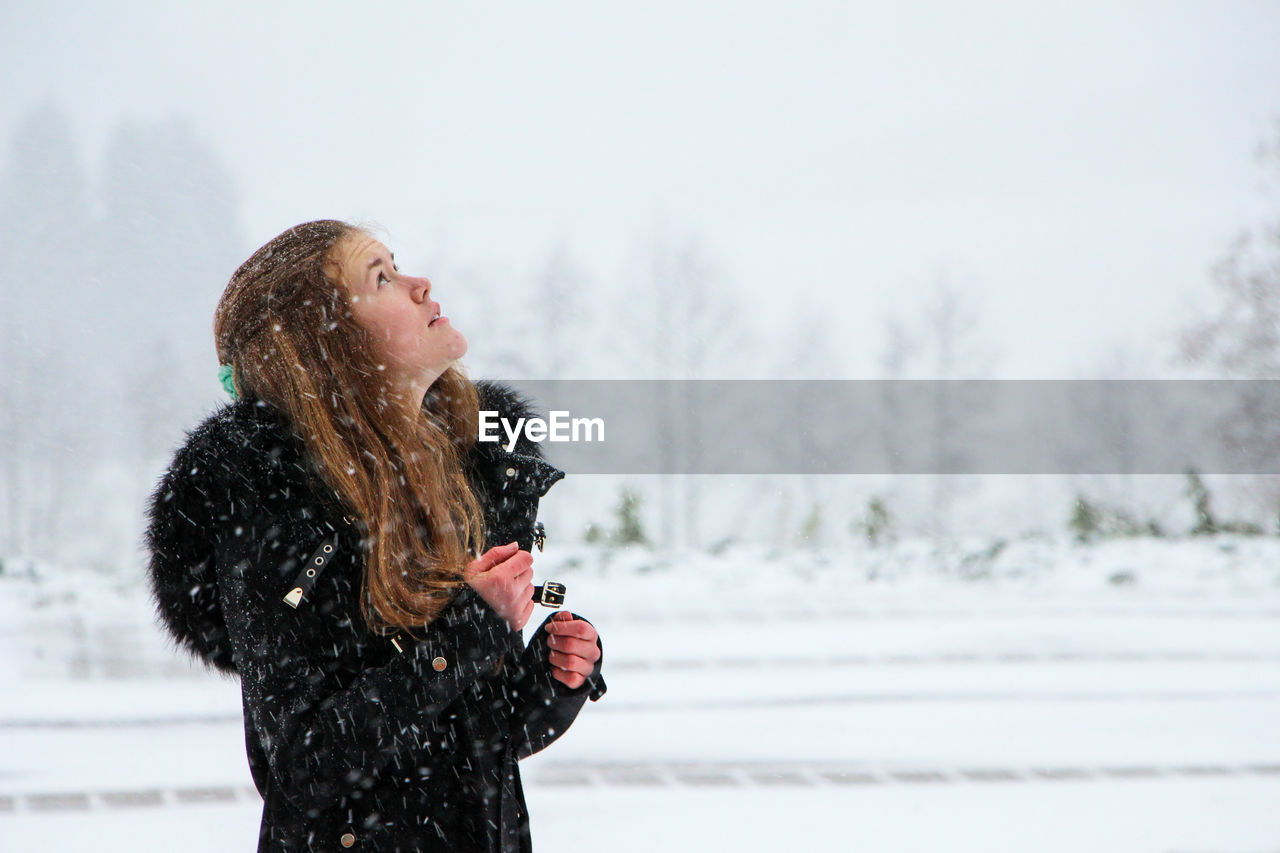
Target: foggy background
<point x="669" y="191"/>
<point x="693" y="190"/>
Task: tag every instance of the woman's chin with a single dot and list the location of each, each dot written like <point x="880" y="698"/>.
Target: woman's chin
<point x="460" y="345"/>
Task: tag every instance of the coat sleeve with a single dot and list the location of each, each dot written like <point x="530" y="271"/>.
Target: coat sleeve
<point x="544" y="707"/>
<point x="326" y="734"/>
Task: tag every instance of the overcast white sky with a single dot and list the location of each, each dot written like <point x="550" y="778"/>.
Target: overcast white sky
<point x="1077" y="167"/>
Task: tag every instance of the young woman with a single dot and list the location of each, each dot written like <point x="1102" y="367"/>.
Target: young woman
<point x="339" y="540"/>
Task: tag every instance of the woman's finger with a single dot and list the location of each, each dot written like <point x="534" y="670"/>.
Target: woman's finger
<point x="518" y="595"/>
<point x="588" y="651"/>
<point x="516" y="563"/>
<point x="571" y="627"/>
<point x="523" y="618"/>
<point x="570" y="663"/>
<point x="493" y="557"/>
<point x="525" y="576"/>
<point x="571" y="680"/>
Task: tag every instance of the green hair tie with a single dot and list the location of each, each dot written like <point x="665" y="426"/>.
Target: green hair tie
<point x="226" y="375"/>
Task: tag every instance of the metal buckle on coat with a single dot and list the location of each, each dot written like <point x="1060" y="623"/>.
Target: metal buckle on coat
<point x="550" y="594"/>
<point x="539" y="535"/>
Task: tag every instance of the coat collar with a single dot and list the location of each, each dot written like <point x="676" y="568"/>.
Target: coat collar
<point x="523" y="469"/>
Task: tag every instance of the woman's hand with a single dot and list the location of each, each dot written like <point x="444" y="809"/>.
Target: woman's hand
<point x="574" y="651"/>
<point x="503" y="577"/>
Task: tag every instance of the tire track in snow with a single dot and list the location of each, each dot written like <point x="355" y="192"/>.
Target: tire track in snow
<point x="797" y="662"/>
<point x="751" y="703"/>
<point x="704" y="775"/>
<point x="79" y="801"/>
<point x="806" y="774"/>
<point x="941" y="659"/>
<point x="890" y="697"/>
<point x="122" y="670"/>
<point x="784" y="613"/>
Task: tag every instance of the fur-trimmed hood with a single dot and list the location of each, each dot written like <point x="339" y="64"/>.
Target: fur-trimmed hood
<point x="248" y="448"/>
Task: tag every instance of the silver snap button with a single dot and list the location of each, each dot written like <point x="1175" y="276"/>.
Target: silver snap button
<point x="511" y="472"/>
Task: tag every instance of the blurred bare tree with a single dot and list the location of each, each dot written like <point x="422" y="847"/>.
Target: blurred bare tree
<point x="944" y="342"/>
<point x="1240" y="339"/>
<point x="560" y="316"/>
<point x="43" y="284"/>
<point x="106" y="306"/>
<point x="694" y="333"/>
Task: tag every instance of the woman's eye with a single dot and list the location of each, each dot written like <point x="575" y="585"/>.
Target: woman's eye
<point x="382" y="279"/>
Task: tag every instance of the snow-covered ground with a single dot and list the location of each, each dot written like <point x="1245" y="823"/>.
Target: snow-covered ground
<point x="1037" y="695"/>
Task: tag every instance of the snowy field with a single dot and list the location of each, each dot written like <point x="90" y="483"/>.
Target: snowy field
<point x="1039" y="696"/>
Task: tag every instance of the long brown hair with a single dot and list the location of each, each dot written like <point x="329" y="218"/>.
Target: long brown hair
<point x="286" y="326"/>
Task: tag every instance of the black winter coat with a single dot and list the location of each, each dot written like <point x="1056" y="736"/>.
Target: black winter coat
<point x="354" y="741"/>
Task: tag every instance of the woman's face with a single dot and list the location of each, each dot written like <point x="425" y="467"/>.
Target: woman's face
<point x="398" y="311"/>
